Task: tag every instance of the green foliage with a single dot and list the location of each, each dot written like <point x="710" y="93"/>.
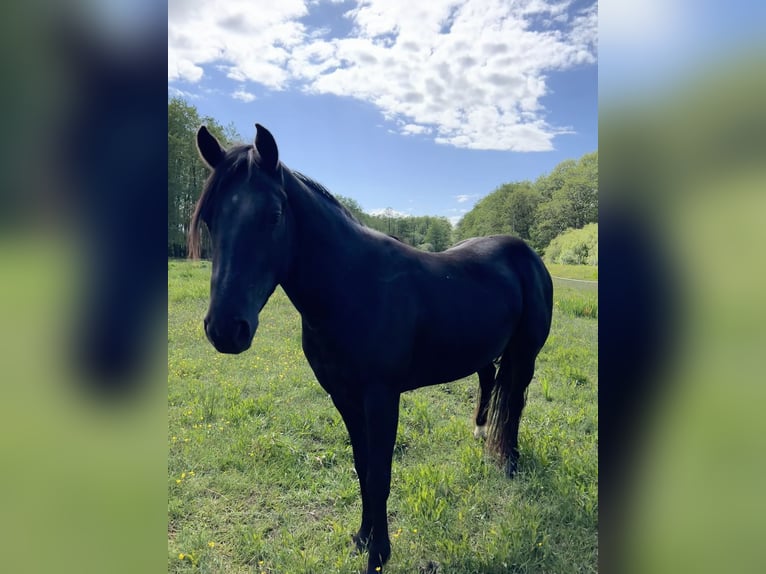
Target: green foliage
<point x="260" y="471"/>
<point x="439" y="233"/>
<point x="424" y="232"/>
<point x="575" y="289"/>
<point x="353" y="206"/>
<point x="570" y="199"/>
<point x="537" y="212"/>
<point x="575" y="247"/>
<point x="509" y="209"/>
<point x="579" y="305"/>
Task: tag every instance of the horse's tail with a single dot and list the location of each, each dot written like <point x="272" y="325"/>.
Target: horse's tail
<point x="517" y="365"/>
<point x="503" y="417"/>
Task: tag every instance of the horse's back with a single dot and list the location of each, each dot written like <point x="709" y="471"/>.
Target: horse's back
<point x="531" y="285"/>
<point x="473" y="300"/>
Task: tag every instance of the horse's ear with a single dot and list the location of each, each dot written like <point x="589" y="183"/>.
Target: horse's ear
<point x="210" y="150"/>
<point x="267" y="148"/>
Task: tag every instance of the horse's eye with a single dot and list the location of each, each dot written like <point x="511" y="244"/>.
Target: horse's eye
<point x="275" y="217"/>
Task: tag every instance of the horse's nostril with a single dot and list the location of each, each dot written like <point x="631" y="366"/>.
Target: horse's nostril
<point x="232" y="335"/>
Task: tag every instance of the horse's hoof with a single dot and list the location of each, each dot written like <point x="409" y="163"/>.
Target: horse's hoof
<point x="378" y="557"/>
<point x="480" y="431"/>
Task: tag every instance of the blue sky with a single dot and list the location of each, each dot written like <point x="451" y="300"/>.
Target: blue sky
<point x="419" y="107"/>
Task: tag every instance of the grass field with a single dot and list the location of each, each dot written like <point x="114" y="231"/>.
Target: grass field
<point x="582" y="272"/>
<point x="260" y="471"/>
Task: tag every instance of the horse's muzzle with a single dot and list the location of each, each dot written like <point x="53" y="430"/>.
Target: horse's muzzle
<point x="231" y="336"/>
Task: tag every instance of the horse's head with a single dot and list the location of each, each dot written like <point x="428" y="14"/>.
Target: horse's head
<point x="245" y="209"/>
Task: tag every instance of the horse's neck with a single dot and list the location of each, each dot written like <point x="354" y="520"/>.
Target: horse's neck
<point x="321" y="254"/>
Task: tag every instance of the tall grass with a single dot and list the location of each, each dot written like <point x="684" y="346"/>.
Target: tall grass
<point x="578" y="304"/>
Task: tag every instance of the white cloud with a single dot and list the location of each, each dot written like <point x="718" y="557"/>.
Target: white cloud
<point x="176" y="93"/>
<point x="389" y="212"/>
<point x="469" y="74"/>
<point x="462" y="198"/>
<point x="414" y="129"/>
<point x="244" y="95"/>
<point x="252" y="39"/>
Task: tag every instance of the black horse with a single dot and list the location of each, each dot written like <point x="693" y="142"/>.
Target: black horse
<point x="379" y="317"/>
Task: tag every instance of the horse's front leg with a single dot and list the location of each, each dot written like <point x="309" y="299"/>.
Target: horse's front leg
<point x="381" y="410"/>
<point x="353" y="416"/>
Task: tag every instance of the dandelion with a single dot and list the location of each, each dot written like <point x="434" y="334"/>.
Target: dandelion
<point x="178" y="481"/>
<point x="181" y="556"/>
<point x="211" y="544"/>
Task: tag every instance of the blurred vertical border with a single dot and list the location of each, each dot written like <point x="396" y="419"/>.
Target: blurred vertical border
<point x="82" y="287"/>
<point x="682" y="130"/>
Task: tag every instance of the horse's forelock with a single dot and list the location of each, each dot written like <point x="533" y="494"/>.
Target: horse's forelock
<point x="235" y="159"/>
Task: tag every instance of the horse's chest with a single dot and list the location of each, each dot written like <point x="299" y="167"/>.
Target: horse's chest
<point x="350" y="357"/>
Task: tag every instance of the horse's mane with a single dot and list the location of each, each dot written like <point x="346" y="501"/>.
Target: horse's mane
<point x="324" y="192"/>
<point x="238" y="160"/>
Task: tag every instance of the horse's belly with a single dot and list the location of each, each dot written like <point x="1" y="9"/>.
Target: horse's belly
<point x="443" y="359"/>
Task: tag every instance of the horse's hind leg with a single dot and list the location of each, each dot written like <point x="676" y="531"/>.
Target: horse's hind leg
<point x="513" y="378"/>
<point x="486" y="382"/>
<point x="522" y="370"/>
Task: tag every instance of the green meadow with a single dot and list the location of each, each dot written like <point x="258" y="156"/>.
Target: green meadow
<point x="260" y="469"/>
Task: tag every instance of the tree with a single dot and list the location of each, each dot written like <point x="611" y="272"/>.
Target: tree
<point x="509" y="209"/>
<point x="575" y="247"/>
<point x="570" y="199"/>
<point x="352" y="206"/>
<point x="439" y="233"/>
<point x="186" y="172"/>
<point x="424" y="232"/>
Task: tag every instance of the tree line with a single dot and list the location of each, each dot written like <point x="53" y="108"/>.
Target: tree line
<point x="424" y="232"/>
<point x="539" y="211"/>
